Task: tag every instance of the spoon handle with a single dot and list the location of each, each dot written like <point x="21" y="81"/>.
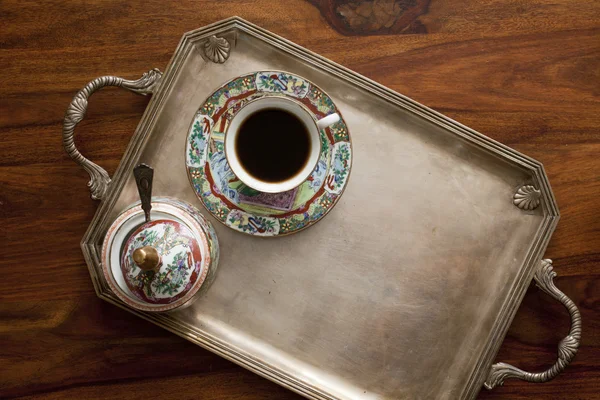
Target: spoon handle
<point x="143" y="178"/>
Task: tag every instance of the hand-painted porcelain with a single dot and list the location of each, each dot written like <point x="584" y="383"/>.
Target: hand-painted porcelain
<point x="241" y="207"/>
<point x="188" y="249"/>
<point x="180" y="267"/>
<point x="294" y="107"/>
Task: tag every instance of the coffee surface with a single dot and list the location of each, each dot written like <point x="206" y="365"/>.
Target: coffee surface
<point x="273" y="145"/>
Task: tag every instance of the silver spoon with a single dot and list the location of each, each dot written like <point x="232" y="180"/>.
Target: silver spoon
<point x="147" y="257"/>
<point x="144" y="175"/>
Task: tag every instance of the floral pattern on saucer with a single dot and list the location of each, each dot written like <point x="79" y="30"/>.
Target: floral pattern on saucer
<point x="241" y="207"/>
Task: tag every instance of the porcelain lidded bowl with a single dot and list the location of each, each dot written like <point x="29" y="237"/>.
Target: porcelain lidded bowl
<point x="164" y="264"/>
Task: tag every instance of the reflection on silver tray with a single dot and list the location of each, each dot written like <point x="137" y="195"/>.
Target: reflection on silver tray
<point x="405" y="290"/>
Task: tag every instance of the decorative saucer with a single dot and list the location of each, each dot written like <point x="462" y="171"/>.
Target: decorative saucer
<point x="241" y="207"/>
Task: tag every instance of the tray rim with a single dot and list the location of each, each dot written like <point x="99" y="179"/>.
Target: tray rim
<point x="230" y="27"/>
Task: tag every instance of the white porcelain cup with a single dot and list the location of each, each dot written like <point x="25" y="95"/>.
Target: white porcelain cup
<point x="312" y="125"/>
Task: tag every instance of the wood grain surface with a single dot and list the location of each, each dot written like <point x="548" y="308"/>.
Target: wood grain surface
<point x="524" y="72"/>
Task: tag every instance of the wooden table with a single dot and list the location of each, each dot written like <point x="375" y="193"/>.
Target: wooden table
<point x="524" y="72"/>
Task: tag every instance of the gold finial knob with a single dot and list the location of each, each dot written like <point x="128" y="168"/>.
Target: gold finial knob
<point x="147" y="258"/>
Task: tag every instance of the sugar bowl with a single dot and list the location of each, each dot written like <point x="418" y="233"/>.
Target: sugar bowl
<point x="159" y="254"/>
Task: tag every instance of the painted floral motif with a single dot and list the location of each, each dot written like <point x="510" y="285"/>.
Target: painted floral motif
<point x="211" y="235"/>
<point x="245" y="209"/>
<point x="171" y="279"/>
<point x="180" y="256"/>
<point x="196" y="144"/>
<point x="317" y="210"/>
<point x="339" y="132"/>
<point x="254" y="224"/>
<point x="227" y="93"/>
<point x="281" y="82"/>
<point x="339" y="168"/>
<point x="321" y="101"/>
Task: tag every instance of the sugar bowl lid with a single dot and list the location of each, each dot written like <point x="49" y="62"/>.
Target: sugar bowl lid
<point x="159" y="263"/>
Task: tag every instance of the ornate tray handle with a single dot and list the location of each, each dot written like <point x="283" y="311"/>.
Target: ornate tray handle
<point x="567" y="348"/>
<point x="99" y="179"/>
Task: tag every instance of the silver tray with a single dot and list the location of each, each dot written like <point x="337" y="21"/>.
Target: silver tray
<point x="405" y="290"/>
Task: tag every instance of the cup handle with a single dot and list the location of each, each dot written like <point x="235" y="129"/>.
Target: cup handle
<point x="328" y="120"/>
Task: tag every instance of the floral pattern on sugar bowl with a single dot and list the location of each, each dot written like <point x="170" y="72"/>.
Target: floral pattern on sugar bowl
<point x="181" y="262"/>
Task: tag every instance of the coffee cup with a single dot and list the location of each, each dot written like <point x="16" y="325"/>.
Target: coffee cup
<point x="272" y="144"/>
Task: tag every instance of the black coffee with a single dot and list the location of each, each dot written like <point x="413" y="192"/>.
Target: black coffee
<point x="273" y="145"/>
